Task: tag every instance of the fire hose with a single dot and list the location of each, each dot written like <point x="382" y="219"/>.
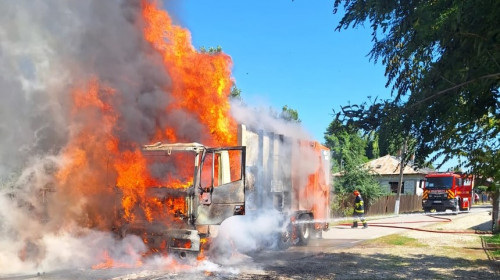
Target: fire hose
<point x="443" y="220"/>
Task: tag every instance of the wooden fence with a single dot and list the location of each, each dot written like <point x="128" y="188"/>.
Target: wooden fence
<point x="385" y="205"/>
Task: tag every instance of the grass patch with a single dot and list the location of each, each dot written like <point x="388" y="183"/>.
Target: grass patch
<point x="397" y="240"/>
<point x="493" y="240"/>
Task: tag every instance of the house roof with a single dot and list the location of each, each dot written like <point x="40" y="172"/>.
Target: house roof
<point x="389" y="165"/>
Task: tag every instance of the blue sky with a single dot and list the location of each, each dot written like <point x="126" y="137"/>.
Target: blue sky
<point x="288" y="53"/>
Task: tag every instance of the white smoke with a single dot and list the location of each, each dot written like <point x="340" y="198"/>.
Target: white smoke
<point x="263" y="224"/>
<point x="264" y="118"/>
<point x="47" y="48"/>
<point x="27" y="248"/>
<point x="247" y="234"/>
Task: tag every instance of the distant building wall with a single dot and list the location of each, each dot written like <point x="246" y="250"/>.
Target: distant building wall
<point x="412" y="184"/>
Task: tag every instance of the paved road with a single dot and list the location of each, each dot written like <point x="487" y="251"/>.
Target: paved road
<point x="343" y="236"/>
<point x="385" y="225"/>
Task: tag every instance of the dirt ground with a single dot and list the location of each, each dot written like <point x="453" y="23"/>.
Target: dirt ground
<point x="424" y="255"/>
<point x="408" y="255"/>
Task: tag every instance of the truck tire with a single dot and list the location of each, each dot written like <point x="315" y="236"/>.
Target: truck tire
<point x="284" y="240"/>
<point x="304" y="230"/>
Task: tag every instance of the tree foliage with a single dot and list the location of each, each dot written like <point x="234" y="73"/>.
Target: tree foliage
<point x="211" y="50"/>
<point x="442" y="60"/>
<point x="289" y="114"/>
<point x="349" y="150"/>
<point x="346" y="144"/>
<point x="235" y="93"/>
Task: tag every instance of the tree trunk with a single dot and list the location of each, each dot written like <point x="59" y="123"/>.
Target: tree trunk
<point x="496" y="207"/>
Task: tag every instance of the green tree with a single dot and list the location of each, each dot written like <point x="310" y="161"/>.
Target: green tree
<point x="375" y="121"/>
<point x="235" y="93"/>
<point x="346" y="144"/>
<point x="211" y="50"/>
<point x="348" y="148"/>
<point x="372" y="149"/>
<point x="442" y="60"/>
<point x="289" y="114"/>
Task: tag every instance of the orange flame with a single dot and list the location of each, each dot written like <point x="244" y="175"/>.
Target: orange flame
<point x="109" y="262"/>
<point x="201" y="82"/>
<point x="98" y="166"/>
<point x="86" y="172"/>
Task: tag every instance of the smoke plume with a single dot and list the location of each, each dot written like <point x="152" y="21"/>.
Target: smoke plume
<point x="79" y="81"/>
<point x="85" y="84"/>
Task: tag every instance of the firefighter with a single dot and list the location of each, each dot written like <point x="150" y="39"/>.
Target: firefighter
<point x="359" y="211"/>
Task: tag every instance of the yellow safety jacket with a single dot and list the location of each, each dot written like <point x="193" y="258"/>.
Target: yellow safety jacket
<point x="358" y="205"/>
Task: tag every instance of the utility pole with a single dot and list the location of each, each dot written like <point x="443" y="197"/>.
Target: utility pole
<point x="401" y="168"/>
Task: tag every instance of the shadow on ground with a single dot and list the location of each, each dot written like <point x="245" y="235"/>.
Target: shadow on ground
<point x="378" y="266"/>
<point x="291" y="265"/>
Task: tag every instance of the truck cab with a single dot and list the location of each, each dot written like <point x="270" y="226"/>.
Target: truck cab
<point x="447" y="191"/>
<point x="192" y="187"/>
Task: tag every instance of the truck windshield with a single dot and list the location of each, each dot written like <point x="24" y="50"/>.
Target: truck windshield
<point x="439" y="183"/>
<point x="174" y="170"/>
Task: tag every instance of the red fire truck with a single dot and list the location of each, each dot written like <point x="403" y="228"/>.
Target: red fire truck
<point x="448" y="190"/>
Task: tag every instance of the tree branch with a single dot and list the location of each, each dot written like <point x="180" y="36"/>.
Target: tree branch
<point x="495" y="75"/>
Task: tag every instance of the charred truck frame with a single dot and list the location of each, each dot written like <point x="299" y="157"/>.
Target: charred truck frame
<point x="216" y="193"/>
<point x="291" y="176"/>
<point x="266" y="171"/>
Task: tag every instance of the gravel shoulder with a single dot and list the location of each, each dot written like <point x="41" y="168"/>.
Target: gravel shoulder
<point x="423" y="255"/>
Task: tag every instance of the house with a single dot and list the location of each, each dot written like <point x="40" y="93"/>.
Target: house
<point x="387" y="171"/>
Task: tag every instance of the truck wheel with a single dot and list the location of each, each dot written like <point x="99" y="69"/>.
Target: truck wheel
<point x="304" y="230"/>
<point x="284" y="240"/>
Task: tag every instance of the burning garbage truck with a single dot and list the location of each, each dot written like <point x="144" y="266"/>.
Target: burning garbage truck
<point x="201" y="187"/>
<point x="126" y="144"/>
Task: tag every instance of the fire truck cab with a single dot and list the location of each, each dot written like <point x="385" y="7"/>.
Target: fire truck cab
<point x="448" y="190"/>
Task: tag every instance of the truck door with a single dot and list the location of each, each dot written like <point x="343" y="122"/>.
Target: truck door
<point x="221" y="185"/>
